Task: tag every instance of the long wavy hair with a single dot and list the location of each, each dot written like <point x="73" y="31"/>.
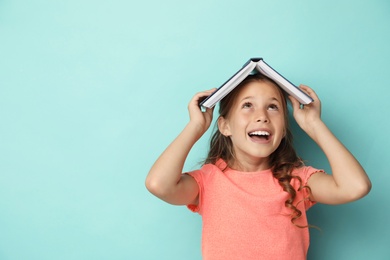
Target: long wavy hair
<point x="283" y="160"/>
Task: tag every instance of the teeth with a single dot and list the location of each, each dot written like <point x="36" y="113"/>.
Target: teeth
<point x="259" y="133"/>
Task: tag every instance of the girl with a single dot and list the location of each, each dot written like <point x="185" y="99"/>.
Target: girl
<point x="253" y="190"/>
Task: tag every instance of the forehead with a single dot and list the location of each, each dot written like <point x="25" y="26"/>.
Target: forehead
<point x="263" y="89"/>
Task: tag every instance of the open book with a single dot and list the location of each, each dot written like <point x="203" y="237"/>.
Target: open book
<point x="255" y="65"/>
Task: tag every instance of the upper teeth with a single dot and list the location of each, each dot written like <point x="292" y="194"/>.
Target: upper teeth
<point x="259" y="133"/>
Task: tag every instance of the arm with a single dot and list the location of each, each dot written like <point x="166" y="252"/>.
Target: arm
<point x="165" y="179"/>
<point x="348" y="181"/>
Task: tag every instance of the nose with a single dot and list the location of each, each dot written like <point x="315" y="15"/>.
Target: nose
<point x="262" y="118"/>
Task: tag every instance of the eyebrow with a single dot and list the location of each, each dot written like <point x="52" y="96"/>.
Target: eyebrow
<point x="252" y="97"/>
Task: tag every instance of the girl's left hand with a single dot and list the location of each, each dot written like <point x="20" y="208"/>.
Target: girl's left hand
<point x="308" y="115"/>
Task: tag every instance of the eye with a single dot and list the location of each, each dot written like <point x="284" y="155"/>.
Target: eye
<point x="247" y="105"/>
<point x="273" y="107"/>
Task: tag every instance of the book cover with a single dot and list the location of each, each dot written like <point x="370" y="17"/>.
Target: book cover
<point x="256" y="65"/>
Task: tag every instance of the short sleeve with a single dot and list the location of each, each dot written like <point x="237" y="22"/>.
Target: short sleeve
<point x="202" y="177"/>
<point x="305" y="173"/>
<point x="197" y="175"/>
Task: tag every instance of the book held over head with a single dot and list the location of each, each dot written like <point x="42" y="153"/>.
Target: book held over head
<point x="255" y="65"/>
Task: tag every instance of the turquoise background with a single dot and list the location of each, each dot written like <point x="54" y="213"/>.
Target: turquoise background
<point x="92" y="92"/>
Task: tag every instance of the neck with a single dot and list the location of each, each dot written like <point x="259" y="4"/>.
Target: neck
<point x="249" y="165"/>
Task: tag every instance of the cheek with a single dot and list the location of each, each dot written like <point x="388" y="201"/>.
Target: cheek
<point x="236" y="123"/>
<point x="282" y="127"/>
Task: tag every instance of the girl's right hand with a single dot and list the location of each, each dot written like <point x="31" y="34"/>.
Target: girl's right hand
<point x="198" y="118"/>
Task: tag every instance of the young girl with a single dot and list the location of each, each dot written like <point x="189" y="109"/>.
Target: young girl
<point x="253" y="190"/>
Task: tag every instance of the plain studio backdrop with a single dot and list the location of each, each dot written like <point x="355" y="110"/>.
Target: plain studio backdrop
<point x="91" y="92"/>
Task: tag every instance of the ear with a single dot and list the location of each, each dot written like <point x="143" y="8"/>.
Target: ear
<point x="223" y="126"/>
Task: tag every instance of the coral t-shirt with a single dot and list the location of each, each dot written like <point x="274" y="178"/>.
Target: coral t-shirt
<point x="244" y="214"/>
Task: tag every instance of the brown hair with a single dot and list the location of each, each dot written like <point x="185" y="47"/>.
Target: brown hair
<point x="283" y="160"/>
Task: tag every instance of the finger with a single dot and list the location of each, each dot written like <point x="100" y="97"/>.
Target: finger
<point x="204" y="94"/>
<point x="309" y="91"/>
<point x="294" y="102"/>
<point x="209" y="113"/>
<point x="199" y="97"/>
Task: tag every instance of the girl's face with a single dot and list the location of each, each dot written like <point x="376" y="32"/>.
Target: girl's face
<point x="255" y="124"/>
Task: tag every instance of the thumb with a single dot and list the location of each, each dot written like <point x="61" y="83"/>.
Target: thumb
<point x="294" y="102"/>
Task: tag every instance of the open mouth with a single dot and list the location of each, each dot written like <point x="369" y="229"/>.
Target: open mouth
<point x="260" y="135"/>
